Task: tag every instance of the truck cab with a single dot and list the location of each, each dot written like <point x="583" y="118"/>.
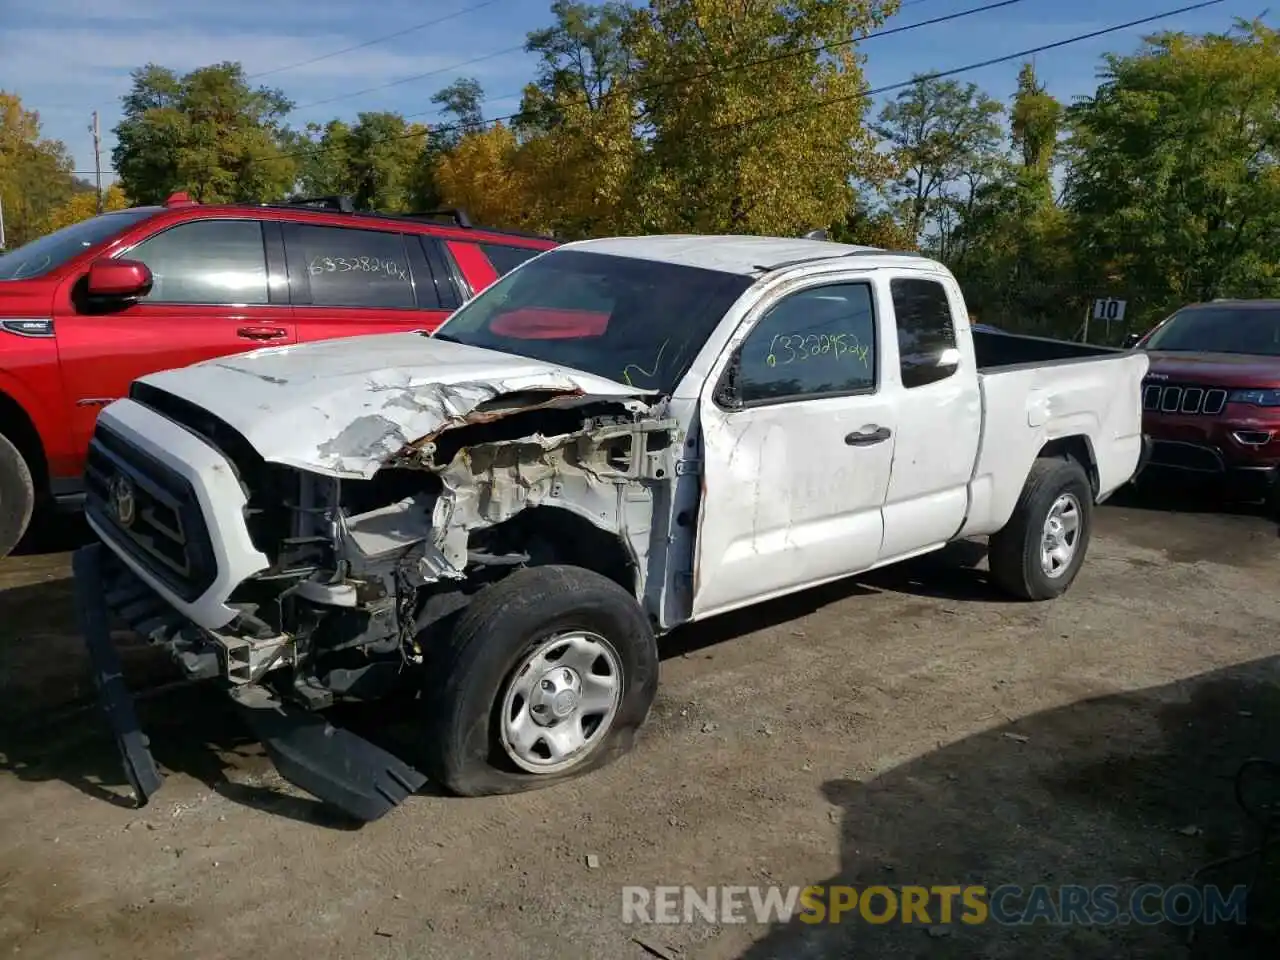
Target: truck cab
<point x="618" y="437"/>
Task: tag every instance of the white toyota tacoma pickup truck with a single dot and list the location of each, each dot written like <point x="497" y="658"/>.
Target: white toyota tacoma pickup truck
<point x="619" y="437"/>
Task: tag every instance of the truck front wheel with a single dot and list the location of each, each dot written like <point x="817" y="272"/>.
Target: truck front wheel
<point x="1039" y="552"/>
<point x="17" y="495"/>
<point x="545" y="676"/>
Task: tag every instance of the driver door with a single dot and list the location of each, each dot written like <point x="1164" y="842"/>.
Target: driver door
<point x="798" y="439"/>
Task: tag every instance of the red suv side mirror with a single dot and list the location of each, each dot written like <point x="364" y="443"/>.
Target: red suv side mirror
<point x="118" y="279"/>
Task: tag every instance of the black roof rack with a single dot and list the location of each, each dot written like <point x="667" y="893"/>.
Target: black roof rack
<point x="872" y="252"/>
<point x="456" y="214"/>
<point x="345" y="204"/>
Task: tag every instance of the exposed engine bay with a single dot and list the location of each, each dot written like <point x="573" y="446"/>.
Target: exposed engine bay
<point x="361" y="570"/>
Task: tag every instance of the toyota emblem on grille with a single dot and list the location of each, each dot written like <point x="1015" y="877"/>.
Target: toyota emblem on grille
<point x="123" y="503"/>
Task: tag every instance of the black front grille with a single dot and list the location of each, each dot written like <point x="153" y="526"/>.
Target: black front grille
<point x="1182" y="398"/>
<point x="1195" y="457"/>
<point x="149" y="511"/>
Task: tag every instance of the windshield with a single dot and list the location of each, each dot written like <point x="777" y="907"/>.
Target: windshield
<point x="54" y="249"/>
<point x="640" y="322"/>
<point x="1221" y="329"/>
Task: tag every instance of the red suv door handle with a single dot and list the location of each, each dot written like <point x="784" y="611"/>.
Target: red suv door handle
<point x="261" y="333"/>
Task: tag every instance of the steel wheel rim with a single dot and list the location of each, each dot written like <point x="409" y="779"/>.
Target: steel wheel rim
<point x="560" y="702"/>
<point x="1060" y="536"/>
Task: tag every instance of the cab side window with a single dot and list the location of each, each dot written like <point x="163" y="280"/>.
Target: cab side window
<point x="818" y="342"/>
<point x="927" y="349"/>
<point x="206" y="261"/>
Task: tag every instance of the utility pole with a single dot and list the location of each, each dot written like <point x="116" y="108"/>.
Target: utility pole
<point x="1" y="224"/>
<point x="97" y="158"/>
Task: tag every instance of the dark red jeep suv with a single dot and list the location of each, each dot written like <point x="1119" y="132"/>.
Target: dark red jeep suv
<point x="1211" y="399"/>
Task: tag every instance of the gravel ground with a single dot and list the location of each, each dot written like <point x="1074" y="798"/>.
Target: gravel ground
<point x="910" y="727"/>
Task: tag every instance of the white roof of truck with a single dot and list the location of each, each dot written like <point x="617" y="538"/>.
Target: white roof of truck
<point x="730" y="254"/>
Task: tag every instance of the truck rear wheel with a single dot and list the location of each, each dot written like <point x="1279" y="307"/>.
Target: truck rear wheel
<point x="546" y="676"/>
<point x="1039" y="552"/>
<point x="17" y="496"/>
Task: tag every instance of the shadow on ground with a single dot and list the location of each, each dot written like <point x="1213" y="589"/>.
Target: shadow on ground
<point x="1118" y="790"/>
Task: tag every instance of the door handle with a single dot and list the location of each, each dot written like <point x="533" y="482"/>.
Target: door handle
<point x="261" y="333"/>
<point x="864" y="438"/>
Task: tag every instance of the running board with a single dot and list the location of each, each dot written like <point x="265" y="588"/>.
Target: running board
<point x="334" y="765"/>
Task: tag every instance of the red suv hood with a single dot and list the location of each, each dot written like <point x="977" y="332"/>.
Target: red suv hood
<point x="1214" y="369"/>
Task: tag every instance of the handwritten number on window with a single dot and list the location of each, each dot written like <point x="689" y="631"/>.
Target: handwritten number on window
<point x="797" y="348"/>
<point x="386" y="268"/>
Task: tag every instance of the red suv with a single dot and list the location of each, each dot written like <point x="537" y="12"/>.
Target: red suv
<point x="86" y="310"/>
<point x="1211" y="399"/>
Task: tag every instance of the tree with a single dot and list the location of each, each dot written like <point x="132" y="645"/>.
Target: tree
<point x="1174" y="182"/>
<point x="946" y="139"/>
<point x="207" y="132"/>
<point x="82" y="206"/>
<point x="35" y="173"/>
<point x="751" y="113"/>
<point x="483" y="173"/>
<point x="1013" y="248"/>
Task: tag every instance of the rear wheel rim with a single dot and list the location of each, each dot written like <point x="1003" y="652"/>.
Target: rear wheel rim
<point x="561" y="702"/>
<point x="1060" y="536"/>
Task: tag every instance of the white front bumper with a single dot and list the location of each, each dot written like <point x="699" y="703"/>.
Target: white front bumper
<point x="221" y="502"/>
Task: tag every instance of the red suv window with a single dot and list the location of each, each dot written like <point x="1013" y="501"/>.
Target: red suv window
<point x="506" y="258"/>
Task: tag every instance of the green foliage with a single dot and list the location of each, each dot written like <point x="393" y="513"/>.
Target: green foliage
<point x="35" y="173"/>
<point x="750" y="116"/>
<point x="946" y="140"/>
<point x="207" y="132"/>
<point x="1174" y="183"/>
<point x="770" y="136"/>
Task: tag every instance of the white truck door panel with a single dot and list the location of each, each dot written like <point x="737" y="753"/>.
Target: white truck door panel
<point x="939" y="412"/>
<point x="794" y="479"/>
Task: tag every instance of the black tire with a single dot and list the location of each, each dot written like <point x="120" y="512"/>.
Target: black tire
<point x="17" y="496"/>
<point x="1014" y="552"/>
<point x="468" y="670"/>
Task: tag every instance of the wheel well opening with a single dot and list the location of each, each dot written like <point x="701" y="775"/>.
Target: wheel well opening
<point x="1075" y="448"/>
<point x="17" y="426"/>
<point x="553" y="535"/>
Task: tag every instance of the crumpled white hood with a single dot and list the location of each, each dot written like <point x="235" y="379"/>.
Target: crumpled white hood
<point x="341" y="407"/>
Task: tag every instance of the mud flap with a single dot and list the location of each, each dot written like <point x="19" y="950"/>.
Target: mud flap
<point x="117" y="702"/>
<point x="334" y="765"/>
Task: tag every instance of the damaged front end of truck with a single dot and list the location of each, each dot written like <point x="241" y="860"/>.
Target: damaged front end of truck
<point x="367" y="541"/>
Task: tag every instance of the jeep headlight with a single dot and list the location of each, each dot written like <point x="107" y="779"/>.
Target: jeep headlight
<point x="1257" y="398"/>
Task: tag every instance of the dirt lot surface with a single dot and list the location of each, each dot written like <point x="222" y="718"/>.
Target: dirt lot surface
<point x="910" y="728"/>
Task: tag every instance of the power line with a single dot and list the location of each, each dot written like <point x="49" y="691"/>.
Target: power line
<point x="776" y="58"/>
<point x="792" y="54"/>
<point x="416" y="76"/>
<point x="875" y="91"/>
<point x="938" y="75"/>
<point x="521" y="48"/>
<point x="369" y="43"/>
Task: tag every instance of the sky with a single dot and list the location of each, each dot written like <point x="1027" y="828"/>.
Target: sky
<point x="66" y="58"/>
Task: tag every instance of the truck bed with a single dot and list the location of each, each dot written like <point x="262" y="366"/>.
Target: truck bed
<point x="1002" y="350"/>
<point x="1034" y="391"/>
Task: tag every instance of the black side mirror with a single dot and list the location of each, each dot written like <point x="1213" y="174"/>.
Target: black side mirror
<point x="729" y="390"/>
<point x="1131" y="340"/>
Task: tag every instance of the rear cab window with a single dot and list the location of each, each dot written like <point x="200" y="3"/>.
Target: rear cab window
<point x="927" y="351"/>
